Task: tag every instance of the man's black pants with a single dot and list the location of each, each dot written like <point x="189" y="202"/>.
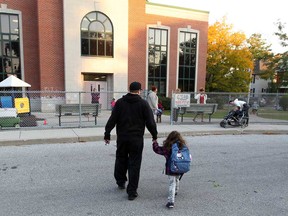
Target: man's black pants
<point x="128" y="158"/>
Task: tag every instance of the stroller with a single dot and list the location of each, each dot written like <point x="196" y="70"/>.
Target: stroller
<point x="236" y="119"/>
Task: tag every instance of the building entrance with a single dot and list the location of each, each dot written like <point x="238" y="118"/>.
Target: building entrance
<point x="97" y="81"/>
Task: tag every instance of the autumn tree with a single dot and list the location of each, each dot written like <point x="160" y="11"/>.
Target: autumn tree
<point x="229" y="60"/>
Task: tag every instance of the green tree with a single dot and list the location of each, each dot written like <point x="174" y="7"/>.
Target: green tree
<point x="229" y="60"/>
<point x="277" y="65"/>
<point x="261" y="52"/>
<point x="281" y="34"/>
<point x="258" y="47"/>
<point x="282" y="65"/>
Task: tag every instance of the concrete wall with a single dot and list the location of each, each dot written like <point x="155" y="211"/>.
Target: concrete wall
<point x="74" y="11"/>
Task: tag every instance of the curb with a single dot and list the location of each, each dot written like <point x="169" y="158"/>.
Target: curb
<point x="83" y="139"/>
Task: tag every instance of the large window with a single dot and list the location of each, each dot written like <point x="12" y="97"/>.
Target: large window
<point x="187" y="60"/>
<point x="157" y="59"/>
<point x="9" y="46"/>
<point x="96" y="35"/>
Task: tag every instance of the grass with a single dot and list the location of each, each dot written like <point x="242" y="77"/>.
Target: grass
<point x="271" y="113"/>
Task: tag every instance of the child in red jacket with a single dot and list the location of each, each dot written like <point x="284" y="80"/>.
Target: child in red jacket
<point x="159" y="111"/>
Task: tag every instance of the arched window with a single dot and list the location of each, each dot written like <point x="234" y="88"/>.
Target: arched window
<point x="96" y="35"/>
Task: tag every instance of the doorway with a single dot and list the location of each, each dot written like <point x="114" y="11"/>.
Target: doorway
<point x="100" y="86"/>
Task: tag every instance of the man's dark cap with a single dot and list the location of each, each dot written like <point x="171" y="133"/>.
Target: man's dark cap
<point x="135" y="86"/>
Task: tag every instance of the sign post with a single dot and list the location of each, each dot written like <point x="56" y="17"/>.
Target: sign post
<point x="179" y="100"/>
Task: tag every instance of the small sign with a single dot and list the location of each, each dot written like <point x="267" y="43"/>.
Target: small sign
<point x="22" y="105"/>
<point x="181" y="100"/>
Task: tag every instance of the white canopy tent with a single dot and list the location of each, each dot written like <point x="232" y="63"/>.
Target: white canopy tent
<point x="13" y="81"/>
<point x="19" y="100"/>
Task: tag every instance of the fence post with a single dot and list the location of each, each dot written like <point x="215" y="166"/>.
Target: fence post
<point x="80" y="111"/>
<point x="171" y="110"/>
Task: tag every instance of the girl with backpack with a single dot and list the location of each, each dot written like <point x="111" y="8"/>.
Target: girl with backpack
<point x="166" y="150"/>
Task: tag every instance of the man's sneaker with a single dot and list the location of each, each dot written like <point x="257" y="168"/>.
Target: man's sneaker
<point x="170" y="205"/>
<point x="132" y="196"/>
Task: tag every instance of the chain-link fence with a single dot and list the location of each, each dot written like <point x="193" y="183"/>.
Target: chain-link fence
<point x="266" y="107"/>
<point x="56" y="109"/>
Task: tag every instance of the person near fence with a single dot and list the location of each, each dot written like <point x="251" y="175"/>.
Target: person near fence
<point x="166" y="150"/>
<point x="176" y="111"/>
<point x="130" y="115"/>
<point x="95" y="96"/>
<point x="255" y="108"/>
<point x="201" y="98"/>
<point x="159" y="111"/>
<point x="240" y="106"/>
<point x="113" y="102"/>
<point x="152" y="99"/>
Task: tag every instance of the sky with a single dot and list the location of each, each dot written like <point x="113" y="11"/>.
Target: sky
<point x="249" y="16"/>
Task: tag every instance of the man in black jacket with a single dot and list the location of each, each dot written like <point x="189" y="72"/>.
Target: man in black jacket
<point x="130" y="115"/>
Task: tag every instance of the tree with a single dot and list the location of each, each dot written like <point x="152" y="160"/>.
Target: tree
<point x="261" y="52"/>
<point x="277" y="65"/>
<point x="258" y="47"/>
<point x="281" y="34"/>
<point x="229" y="60"/>
<point x="281" y="67"/>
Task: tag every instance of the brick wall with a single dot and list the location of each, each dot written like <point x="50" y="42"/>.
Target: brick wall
<point x="138" y="22"/>
<point x="42" y="29"/>
<point x="44" y="52"/>
<point x="28" y="9"/>
<point x="51" y="44"/>
<point x="137" y="43"/>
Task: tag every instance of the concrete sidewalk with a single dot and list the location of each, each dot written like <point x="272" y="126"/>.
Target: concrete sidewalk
<point x="70" y="135"/>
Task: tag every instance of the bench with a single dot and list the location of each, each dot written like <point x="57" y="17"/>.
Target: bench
<point x="76" y="110"/>
<point x="208" y="109"/>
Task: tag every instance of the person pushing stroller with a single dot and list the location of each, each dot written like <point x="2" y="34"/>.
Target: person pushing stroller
<point x="240" y="106"/>
<point x="238" y="116"/>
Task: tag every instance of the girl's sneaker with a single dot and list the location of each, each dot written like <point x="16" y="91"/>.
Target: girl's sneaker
<point x="170" y="205"/>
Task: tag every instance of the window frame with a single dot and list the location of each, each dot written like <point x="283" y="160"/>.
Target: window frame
<point x="15" y="58"/>
<point x="163" y="67"/>
<point x="192" y="70"/>
<point x="96" y="20"/>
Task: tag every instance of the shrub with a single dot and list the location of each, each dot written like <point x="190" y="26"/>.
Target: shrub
<point x="219" y="100"/>
<point x="283" y="102"/>
<point x="166" y="102"/>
